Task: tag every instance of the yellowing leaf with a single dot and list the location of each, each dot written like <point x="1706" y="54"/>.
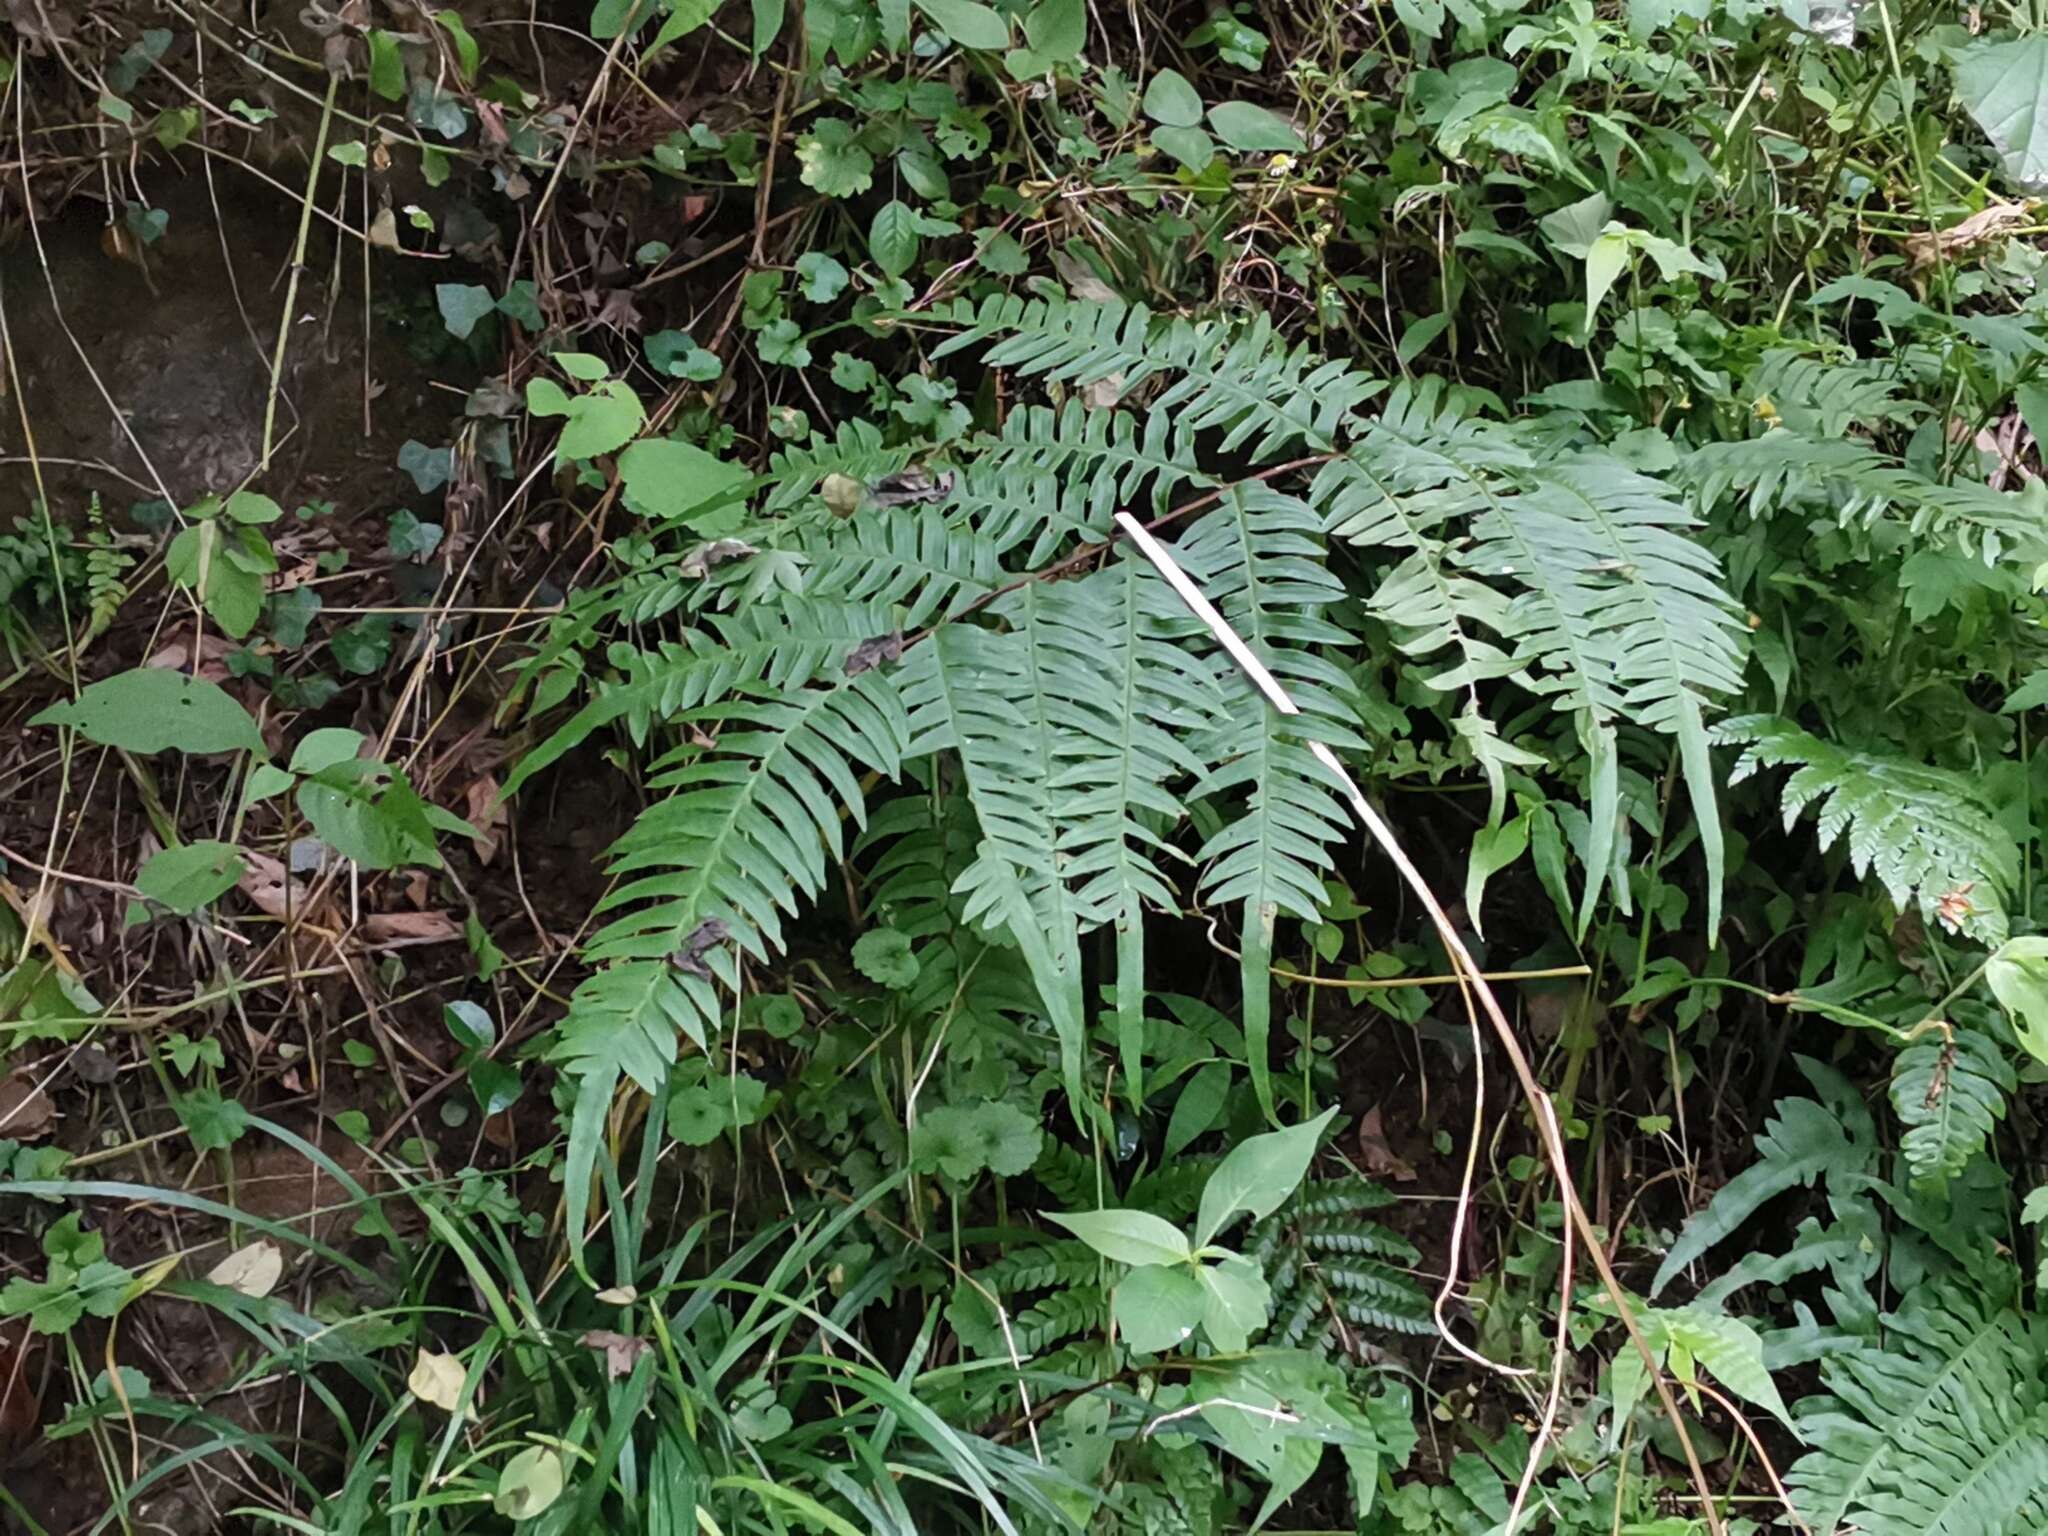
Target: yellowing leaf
<point x="254" y="1270"/>
<point x="437" y="1378"/>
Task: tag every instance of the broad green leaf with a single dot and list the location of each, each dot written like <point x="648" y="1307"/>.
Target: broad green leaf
<point x="1129" y="1237"/>
<point x="884" y="956"/>
<point x="602" y="421"/>
<point x="187" y="877"/>
<point x="892" y="238"/>
<point x="672" y="480"/>
<point x="1606" y="259"/>
<point x="968" y="23"/>
<point x="832" y="160"/>
<point x="2004" y="86"/>
<point x="684" y="17"/>
<point x="1171" y="101"/>
<point x="470" y="1024"/>
<point x="252" y="507"/>
<point x="1573" y="228"/>
<point x="1201" y="1099"/>
<point x="462" y="305"/>
<point x="1057" y="30"/>
<point x="153" y="709"/>
<point x="322" y="749"/>
<point x="2018" y="974"/>
<point x="611" y="18"/>
<point x="1244" y="126"/>
<point x="467" y="54"/>
<point x="1236" y="1301"/>
<point x="1157" y="1307"/>
<point x="1493" y="850"/>
<point x="1260" y="1173"/>
<point x="1192" y="147"/>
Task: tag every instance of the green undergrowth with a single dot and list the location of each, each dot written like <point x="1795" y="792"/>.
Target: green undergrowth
<point x="845" y="1007"/>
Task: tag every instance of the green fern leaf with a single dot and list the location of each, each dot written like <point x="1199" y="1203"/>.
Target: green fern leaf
<point x="780" y="645"/>
<point x="1118" y="694"/>
<point x="1258" y="558"/>
<point x="962" y="688"/>
<point x="1804" y="1142"/>
<point x="1950" y="1095"/>
<point x="740" y="835"/>
<point x="1240" y="379"/>
<point x="1942" y="1431"/>
<point x="1923" y="832"/>
<point x="906" y="556"/>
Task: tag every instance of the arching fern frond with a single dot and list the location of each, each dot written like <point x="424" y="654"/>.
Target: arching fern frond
<point x="855" y="450"/>
<point x="1240" y="378"/>
<point x="742" y="833"/>
<point x="1941" y="1431"/>
<point x="780" y="645"/>
<point x="1258" y="558"/>
<point x="1860" y="486"/>
<point x="1924" y="832"/>
<point x="963" y="687"/>
<point x="1949" y="1091"/>
<point x="1118" y="694"/>
<point x="902" y="555"/>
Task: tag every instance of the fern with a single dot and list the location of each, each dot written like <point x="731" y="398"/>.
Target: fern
<point x="1805" y="1142"/>
<point x="1257" y="556"/>
<point x="1117" y="694"/>
<point x="962" y="690"/>
<point x="779" y="646"/>
<point x="1575" y="574"/>
<point x="1332" y="1271"/>
<point x="1923" y="832"/>
<point x="1949" y="1091"/>
<point x="908" y="556"/>
<point x="740" y="835"/>
<point x="1941" y="1431"/>
<point x="1827" y="399"/>
<point x="1861" y="485"/>
<point x="855" y="450"/>
<point x="1243" y="380"/>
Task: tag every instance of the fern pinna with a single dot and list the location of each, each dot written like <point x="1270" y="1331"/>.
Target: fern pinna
<point x="1115" y="763"/>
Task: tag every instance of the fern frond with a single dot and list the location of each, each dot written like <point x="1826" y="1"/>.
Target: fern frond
<point x="902" y="555"/>
<point x="1942" y="1431"/>
<point x="1575" y="575"/>
<point x="1828" y="399"/>
<point x="1241" y="379"/>
<point x="1117" y="459"/>
<point x="855" y="450"/>
<point x="963" y="688"/>
<point x="1118" y="694"/>
<point x="1622" y="616"/>
<point x="1331" y="1270"/>
<point x="1924" y="832"/>
<point x="1861" y="486"/>
<point x="1950" y="1094"/>
<point x="743" y="832"/>
<point x="1258" y="558"/>
<point x="780" y="646"/>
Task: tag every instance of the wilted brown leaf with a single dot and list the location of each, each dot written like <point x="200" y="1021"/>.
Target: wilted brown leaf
<point x="1380" y="1159"/>
<point x="388" y="929"/>
<point x="621" y="1350"/>
<point x="26" y="1112"/>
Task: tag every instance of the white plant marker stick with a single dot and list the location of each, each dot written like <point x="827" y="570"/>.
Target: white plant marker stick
<point x="1470" y="982"/>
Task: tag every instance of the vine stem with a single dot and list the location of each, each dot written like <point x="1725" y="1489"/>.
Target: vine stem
<point x="1471" y="981"/>
<point x="291" y="287"/>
